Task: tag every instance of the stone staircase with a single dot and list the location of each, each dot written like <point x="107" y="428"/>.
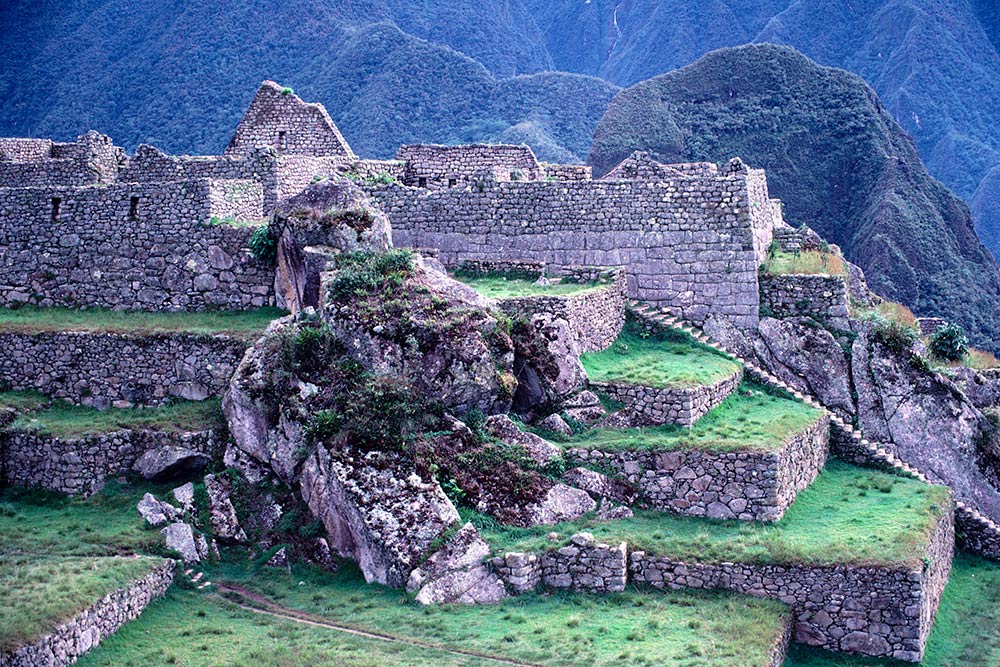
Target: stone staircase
<point x="967" y="518"/>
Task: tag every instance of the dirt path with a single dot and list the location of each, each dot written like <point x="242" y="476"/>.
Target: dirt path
<point x="254" y="602"/>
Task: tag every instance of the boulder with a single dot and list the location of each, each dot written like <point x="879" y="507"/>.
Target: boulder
<point x="539" y="449"/>
<point x="180" y="538"/>
<point x="982" y="389"/>
<point x="546" y="362"/>
<point x="167" y="462"/>
<point x="156" y="512"/>
<point x="279" y="559"/>
<point x="222" y="514"/>
<point x="556" y="424"/>
<point x="457" y="573"/>
<point x="377" y="510"/>
<point x="599" y="485"/>
<point x="560" y="503"/>
<point x="184" y="495"/>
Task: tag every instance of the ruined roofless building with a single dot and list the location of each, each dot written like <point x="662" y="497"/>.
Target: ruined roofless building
<point x="84" y="224"/>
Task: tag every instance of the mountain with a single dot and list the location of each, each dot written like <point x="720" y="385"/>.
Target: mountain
<point x="835" y="157"/>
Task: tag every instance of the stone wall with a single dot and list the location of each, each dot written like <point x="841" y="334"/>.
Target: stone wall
<point x="595" y="316"/>
<point x="31" y="162"/>
<point x="582" y="565"/>
<point x="83" y="464"/>
<point x="689" y="244"/>
<point x="930" y="325"/>
<point x="823" y="298"/>
<point x="435" y="167"/>
<point x="745" y="485"/>
<point x="568" y="172"/>
<point x="975" y="535"/>
<point x="86" y="630"/>
<point x="650" y="406"/>
<point x="872" y="610"/>
<point x="104" y="369"/>
<point x="510" y="268"/>
<point x="131" y="246"/>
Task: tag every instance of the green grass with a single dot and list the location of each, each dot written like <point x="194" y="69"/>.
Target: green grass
<point x="65" y="420"/>
<point x="40" y="593"/>
<point x="847" y="515"/>
<point x="51" y="524"/>
<point x="671" y="360"/>
<point x="812" y="262"/>
<point x="749" y="419"/>
<point x="634" y="628"/>
<point x="493" y="287"/>
<point x="22" y="401"/>
<point x="247" y="324"/>
<point x="964" y="633"/>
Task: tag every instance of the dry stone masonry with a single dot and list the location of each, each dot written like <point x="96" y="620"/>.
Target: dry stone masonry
<point x="821" y="297"/>
<point x="650" y="406"/>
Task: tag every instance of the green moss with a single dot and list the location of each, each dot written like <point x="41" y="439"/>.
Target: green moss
<point x="247" y="324"/>
<point x="848" y="515"/>
<point x="747" y="420"/>
<point x="42" y="592"/>
<point x="499" y="287"/>
<point x="671" y="360"/>
<point x="65" y="420"/>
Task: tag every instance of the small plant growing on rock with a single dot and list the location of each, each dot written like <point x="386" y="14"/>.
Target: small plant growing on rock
<point x="896" y="336"/>
<point x="949" y="342"/>
<point x="287" y="91"/>
<point x="263" y="245"/>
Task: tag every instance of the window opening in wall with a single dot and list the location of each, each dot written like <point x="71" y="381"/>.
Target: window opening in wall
<point x="283" y="140"/>
<point x="56" y="208"/>
<point x="452" y="182"/>
<point x="133" y="207"/>
<point x="422" y="181"/>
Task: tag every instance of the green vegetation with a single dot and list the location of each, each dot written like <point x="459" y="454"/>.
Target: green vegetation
<point x="362" y="273"/>
<point x="247" y="324"/>
<point x="263" y="244"/>
<point x="65" y="420"/>
<point x="669" y="358"/>
<point x="964" y="633"/>
<point x="499" y="287"/>
<point x="813" y="262"/>
<point x="22" y="401"/>
<point x="949" y="343"/>
<point x="848" y="515"/>
<point x="648" y="628"/>
<point x="40" y="593"/>
<point x="749" y="419"/>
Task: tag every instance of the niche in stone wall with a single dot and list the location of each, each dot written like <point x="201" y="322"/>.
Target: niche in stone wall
<point x="282" y="140"/>
<point x="133" y="207"/>
<point x="422" y="181"/>
<point x="56" y="208"/>
<point x="452" y="182"/>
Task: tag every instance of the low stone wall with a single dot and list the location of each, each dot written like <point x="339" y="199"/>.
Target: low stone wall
<point x="103" y="369"/>
<point x="744" y="485"/>
<point x="876" y="611"/>
<point x="660" y="405"/>
<point x="823" y="298"/>
<point x="82" y="465"/>
<point x="972" y="534"/>
<point x="86" y="630"/>
<point x="583" y="565"/>
<point x="596" y="316"/>
<point x="512" y="268"/>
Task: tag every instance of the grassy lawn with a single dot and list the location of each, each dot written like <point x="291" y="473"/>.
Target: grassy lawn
<point x="749" y="419"/>
<point x="634" y="628"/>
<point x="848" y="515"/>
<point x="671" y="359"/>
<point x="498" y="287"/>
<point x="65" y="420"/>
<point x="247" y="324"/>
<point x="812" y="262"/>
<point x="22" y="401"/>
<point x="41" y="592"/>
<point x="965" y="631"/>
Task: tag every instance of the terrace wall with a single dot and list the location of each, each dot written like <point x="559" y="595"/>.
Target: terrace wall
<point x="82" y="465"/>
<point x="584" y="565"/>
<point x="86" y="630"/>
<point x="743" y="485"/>
<point x="649" y="406"/>
<point x="823" y="298"/>
<point x="167" y="256"/>
<point x="692" y="244"/>
<point x="104" y="369"/>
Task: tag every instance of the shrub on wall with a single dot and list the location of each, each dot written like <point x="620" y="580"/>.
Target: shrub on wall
<point x="263" y="245"/>
<point x="949" y="342"/>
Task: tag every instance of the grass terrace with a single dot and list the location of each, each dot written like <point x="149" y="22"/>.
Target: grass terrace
<point x="749" y="419"/>
<point x="811" y="262"/>
<point x="846" y="516"/>
<point x="669" y="359"/>
<point x="41" y="592"/>
<point x="499" y="287"/>
<point x="23" y="401"/>
<point x="246" y="324"/>
<point x="634" y="628"/>
<point x="64" y="420"/>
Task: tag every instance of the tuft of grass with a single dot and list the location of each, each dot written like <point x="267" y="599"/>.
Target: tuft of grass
<point x="65" y="420"/>
<point x="749" y="419"/>
<point x="896" y="312"/>
<point x="670" y="360"/>
<point x="811" y="262"/>
<point x="847" y="516"/>
<point x="23" y="401"/>
<point x="246" y="324"/>
<point x="500" y="287"/>
<point x="42" y="592"/>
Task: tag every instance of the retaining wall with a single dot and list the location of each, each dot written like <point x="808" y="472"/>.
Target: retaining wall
<point x="104" y="369"/>
<point x="743" y="485"/>
<point x="823" y="298"/>
<point x="86" y="630"/>
<point x="82" y="465"/>
<point x="583" y="565"/>
<point x="649" y="406"/>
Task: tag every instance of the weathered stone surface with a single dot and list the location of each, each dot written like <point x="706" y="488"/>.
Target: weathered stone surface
<point x="599" y="485"/>
<point x="561" y="503"/>
<point x="184" y="495"/>
<point x="556" y="424"/>
<point x="222" y="514"/>
<point x="156" y="512"/>
<point x="167" y="462"/>
<point x="539" y="449"/>
<point x="547" y="365"/>
<point x="180" y="538"/>
<point x="457" y="573"/>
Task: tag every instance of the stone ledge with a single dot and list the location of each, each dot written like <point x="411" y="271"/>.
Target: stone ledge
<point x="86" y="630"/>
